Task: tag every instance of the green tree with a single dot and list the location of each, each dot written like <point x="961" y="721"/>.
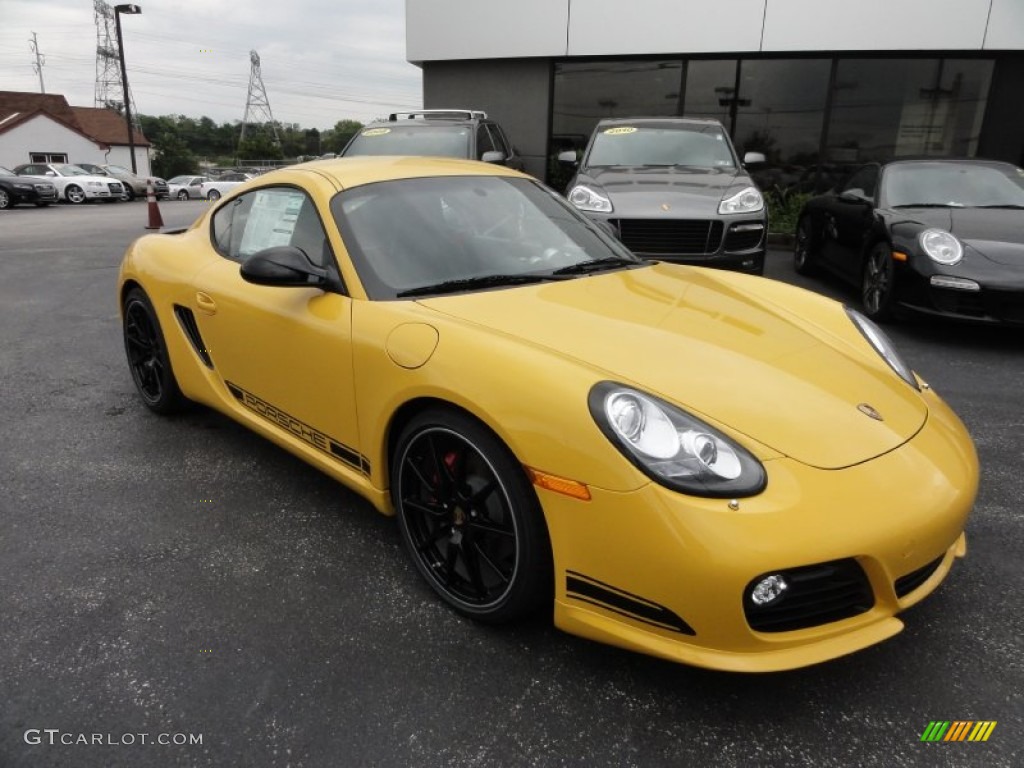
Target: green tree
<point x="341" y="133"/>
<point x="259" y="146"/>
<point x="172" y="156"/>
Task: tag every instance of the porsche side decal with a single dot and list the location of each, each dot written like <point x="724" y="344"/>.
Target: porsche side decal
<point x="300" y="429"/>
<point x="588" y="590"/>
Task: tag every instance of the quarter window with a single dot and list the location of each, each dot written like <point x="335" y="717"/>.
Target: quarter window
<point x="483" y="141"/>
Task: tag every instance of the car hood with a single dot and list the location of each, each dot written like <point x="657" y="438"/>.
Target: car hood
<point x="678" y="191"/>
<point x="85" y="179"/>
<point x="716" y="350"/>
<point x="996" y="233"/>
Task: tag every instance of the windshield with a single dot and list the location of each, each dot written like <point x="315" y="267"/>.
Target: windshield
<point x="179" y="180"/>
<point x="953" y="184"/>
<point x="6" y="171"/>
<point x="702" y="146"/>
<point x="117" y="169"/>
<point x="70" y="170"/>
<point x="430" y="140"/>
<point x="407" y="234"/>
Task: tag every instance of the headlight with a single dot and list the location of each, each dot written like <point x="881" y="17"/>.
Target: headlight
<point x="23" y="186"/>
<point x="877" y="338"/>
<point x="941" y="246"/>
<point x="94" y="184"/>
<point x="672" y="447"/>
<point x="587" y="199"/>
<point x="747" y="200"/>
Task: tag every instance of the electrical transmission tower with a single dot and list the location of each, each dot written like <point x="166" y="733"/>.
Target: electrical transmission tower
<point x="37" y="65"/>
<point x="257" y="105"/>
<point x="109" y="89"/>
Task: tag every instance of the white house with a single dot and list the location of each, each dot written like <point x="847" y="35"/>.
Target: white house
<point x="40" y="128"/>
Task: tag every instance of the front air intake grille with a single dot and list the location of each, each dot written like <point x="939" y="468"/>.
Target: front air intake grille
<point x="743" y="237"/>
<point x="816" y="594"/>
<point x="911" y="581"/>
<point x="670" y="237"/>
<point x="191" y="329"/>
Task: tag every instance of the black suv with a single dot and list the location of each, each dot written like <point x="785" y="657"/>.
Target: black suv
<point x="463" y="133"/>
<point x="673" y="189"/>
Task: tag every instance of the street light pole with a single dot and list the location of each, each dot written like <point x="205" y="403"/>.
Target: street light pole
<point x="118" y="10"/>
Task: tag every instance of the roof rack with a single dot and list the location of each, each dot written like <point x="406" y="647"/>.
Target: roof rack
<point x="465" y="114"/>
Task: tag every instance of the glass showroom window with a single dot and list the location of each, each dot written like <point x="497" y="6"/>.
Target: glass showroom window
<point x="885" y="108"/>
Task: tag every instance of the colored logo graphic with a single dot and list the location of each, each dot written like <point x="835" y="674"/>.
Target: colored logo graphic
<point x="958" y="730"/>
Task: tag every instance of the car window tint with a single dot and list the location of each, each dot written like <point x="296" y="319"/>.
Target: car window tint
<point x="484" y="142"/>
<point x="955" y="184"/>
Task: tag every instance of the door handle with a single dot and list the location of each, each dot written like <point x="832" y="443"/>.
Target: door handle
<point x="205" y="303"/>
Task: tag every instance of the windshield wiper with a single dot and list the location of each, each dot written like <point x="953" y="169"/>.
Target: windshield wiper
<point x="596" y="265"/>
<point x="1011" y="206"/>
<point x="466" y="283"/>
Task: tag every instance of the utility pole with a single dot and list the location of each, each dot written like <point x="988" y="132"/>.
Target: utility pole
<point x="39" y="62"/>
<point x="257" y="105"/>
<point x="118" y="10"/>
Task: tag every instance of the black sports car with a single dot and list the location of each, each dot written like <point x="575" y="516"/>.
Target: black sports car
<point x="25" y="189"/>
<point x="940" y="236"/>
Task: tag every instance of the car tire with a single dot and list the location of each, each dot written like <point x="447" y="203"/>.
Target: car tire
<point x="183" y="195"/>
<point x="148" y="361"/>
<point x="469" y="518"/>
<point x="805" y="246"/>
<point x="5" y="200"/>
<point x="213" y="194"/>
<point x="878" y="283"/>
<point x="74" y="194"/>
<point x="128" y="195"/>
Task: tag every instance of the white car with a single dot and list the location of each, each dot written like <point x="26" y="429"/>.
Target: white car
<point x="74" y="184"/>
<point x="214" y="188"/>
<point x="186" y="187"/>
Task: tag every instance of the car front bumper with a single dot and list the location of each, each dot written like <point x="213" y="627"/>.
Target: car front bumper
<point x="669" y="575"/>
<point x="995" y="294"/>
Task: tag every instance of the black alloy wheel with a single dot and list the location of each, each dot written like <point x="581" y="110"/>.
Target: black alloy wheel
<point x="804" y="254"/>
<point x="74" y="194"/>
<point x="5" y="200"/>
<point x="147" y="355"/>
<point x="469" y="518"/>
<point x="878" y="284"/>
<point x="213" y="194"/>
<point x="183" y="195"/>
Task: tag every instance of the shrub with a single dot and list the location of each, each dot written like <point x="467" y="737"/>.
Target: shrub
<point x="784" y="210"/>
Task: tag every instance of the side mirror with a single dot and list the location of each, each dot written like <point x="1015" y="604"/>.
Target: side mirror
<point x="754" y="157"/>
<point x="283" y="265"/>
<point x="493" y="156"/>
<point x="569" y="157"/>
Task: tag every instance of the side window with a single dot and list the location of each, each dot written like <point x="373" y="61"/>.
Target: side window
<point x="863" y="181"/>
<point x="500" y="140"/>
<point x="483" y="141"/>
<point x="265" y="218"/>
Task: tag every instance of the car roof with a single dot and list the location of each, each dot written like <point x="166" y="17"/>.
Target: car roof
<point x="366" y="169"/>
<point x="948" y="160"/>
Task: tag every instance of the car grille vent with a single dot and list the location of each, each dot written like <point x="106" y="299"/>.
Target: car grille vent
<point x="816" y="594"/>
<point x="188" y="325"/>
<point x="908" y="583"/>
<point x="668" y="237"/>
<point x="743" y="237"/>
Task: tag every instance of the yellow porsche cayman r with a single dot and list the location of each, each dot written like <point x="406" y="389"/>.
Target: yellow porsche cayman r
<point x="710" y="467"/>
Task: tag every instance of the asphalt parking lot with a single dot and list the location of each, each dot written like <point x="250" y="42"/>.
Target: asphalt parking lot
<point x="183" y="577"/>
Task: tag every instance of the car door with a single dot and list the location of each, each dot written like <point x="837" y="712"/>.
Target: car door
<point x="283" y="353"/>
<point x="847" y="222"/>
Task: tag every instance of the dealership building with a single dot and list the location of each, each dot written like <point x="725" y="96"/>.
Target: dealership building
<point x="816" y="85"/>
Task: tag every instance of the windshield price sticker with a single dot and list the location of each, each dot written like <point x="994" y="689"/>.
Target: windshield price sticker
<point x="376" y="131"/>
<point x="619" y="130"/>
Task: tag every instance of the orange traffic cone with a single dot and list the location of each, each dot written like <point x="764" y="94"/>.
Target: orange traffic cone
<point x="155" y="220"/>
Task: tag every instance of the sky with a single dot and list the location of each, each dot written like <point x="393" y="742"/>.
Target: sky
<point x="322" y="60"/>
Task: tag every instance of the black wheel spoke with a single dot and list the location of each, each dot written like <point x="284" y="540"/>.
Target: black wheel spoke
<point x="488" y="527"/>
<point x="439" y="533"/>
<point x="477" y="497"/>
<point x="469" y="557"/>
<point x="424" y="507"/>
<point x="483" y="555"/>
<point x="449" y="562"/>
<point x="435" y="487"/>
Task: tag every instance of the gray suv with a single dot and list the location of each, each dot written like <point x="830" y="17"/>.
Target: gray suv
<point x="672" y="189"/>
<point x="463" y="133"/>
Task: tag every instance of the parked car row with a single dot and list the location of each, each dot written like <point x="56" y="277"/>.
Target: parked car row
<point x="44" y="183"/>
